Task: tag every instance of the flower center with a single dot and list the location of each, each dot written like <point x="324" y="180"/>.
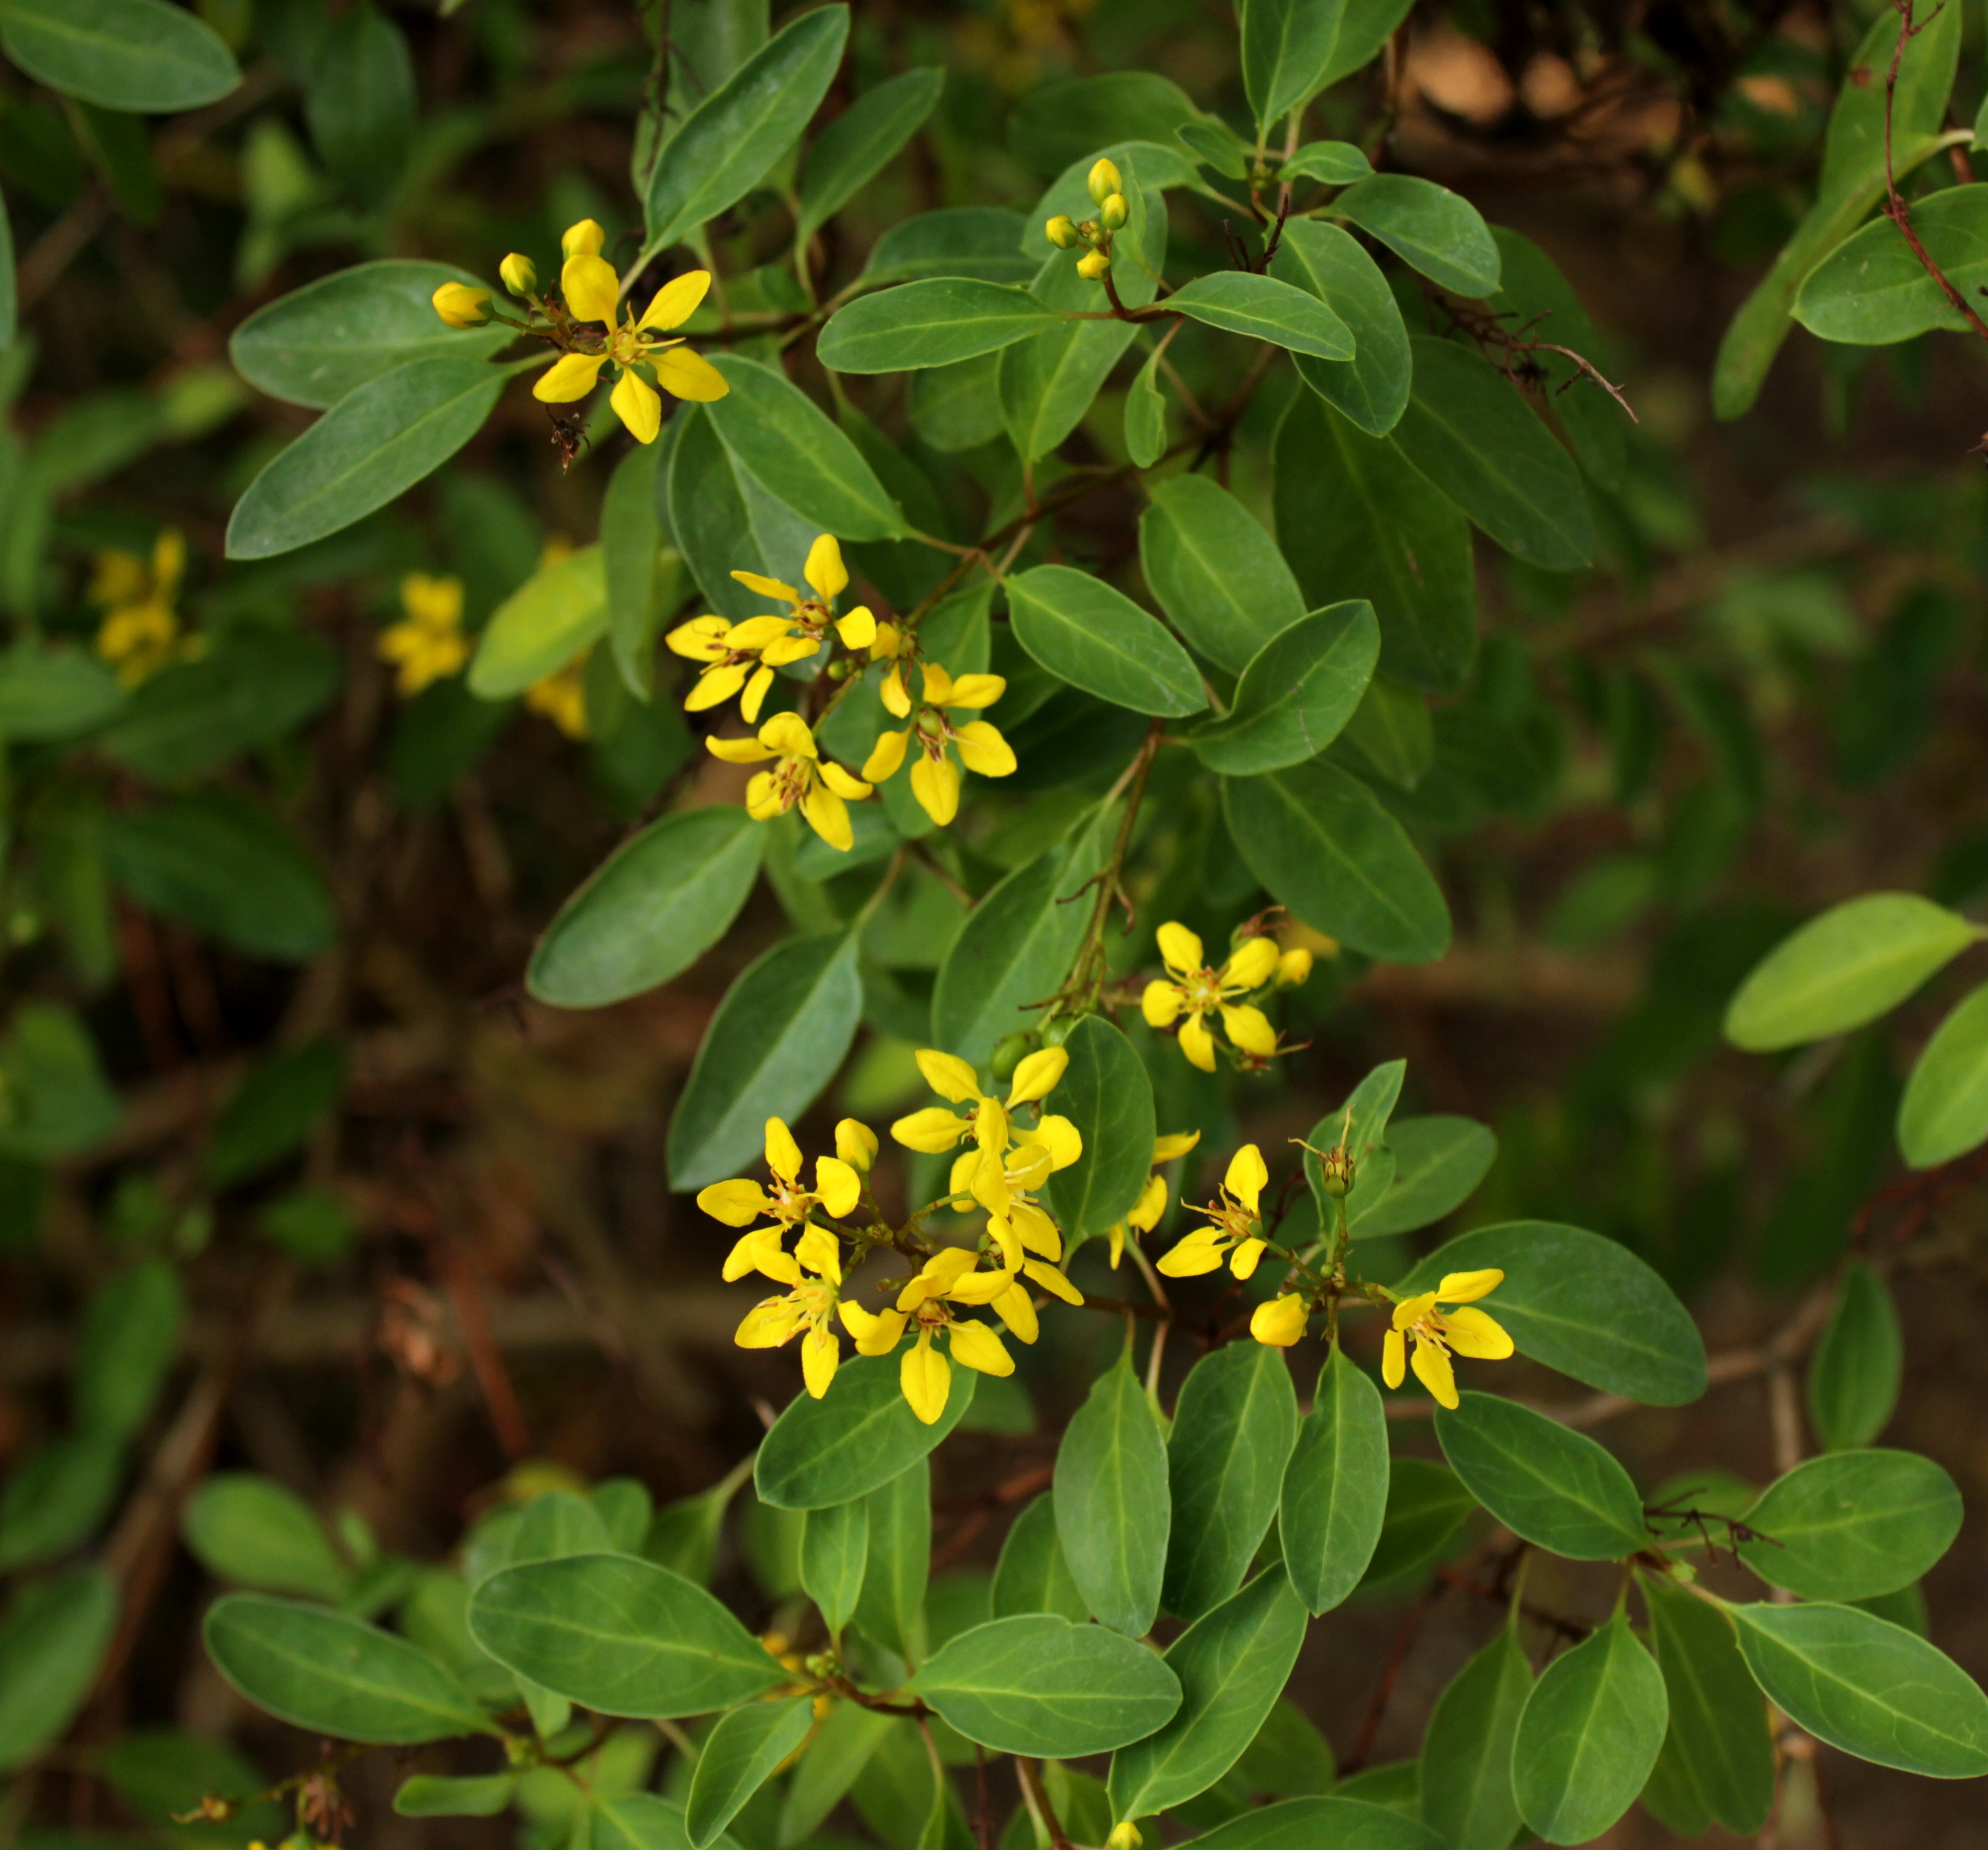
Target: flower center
<point x="1203" y="991"/>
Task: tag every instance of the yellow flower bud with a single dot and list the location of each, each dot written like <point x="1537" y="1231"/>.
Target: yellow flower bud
<point x="1094" y="266"/>
<point x="1124" y="1836"/>
<point x="1062" y="230"/>
<point x="1294" y="967"/>
<point x="1112" y="213"/>
<point x="520" y="274"/>
<point x="460" y="306"/>
<point x="582" y="240"/>
<point x="1279" y="1323"/>
<point x="1104" y="182"/>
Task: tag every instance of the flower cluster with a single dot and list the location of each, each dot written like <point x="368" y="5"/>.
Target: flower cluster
<point x="427" y="645"/>
<point x="140" y="634"/>
<point x="1107" y="192"/>
<point x="585" y="323"/>
<point x="1192" y="990"/>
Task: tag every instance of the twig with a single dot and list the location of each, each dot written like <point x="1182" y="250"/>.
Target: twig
<point x="1038" y="1799"/>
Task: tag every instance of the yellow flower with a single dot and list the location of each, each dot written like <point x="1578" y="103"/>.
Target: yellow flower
<point x="800" y="776"/>
<point x="934" y="1130"/>
<point x="816" y="1286"/>
<point x="1280" y="1322"/>
<point x="1235" y="1227"/>
<point x="427" y="643"/>
<point x="950" y="1276"/>
<point x="1294" y="967"/>
<point x="935" y="777"/>
<point x="1145" y="1212"/>
<point x="561" y="695"/>
<point x="593" y="293"/>
<point x="838" y="1186"/>
<point x="1437" y="1332"/>
<point x="141" y="633"/>
<point x="744" y="655"/>
<point x="460" y="305"/>
<point x="1196" y="991"/>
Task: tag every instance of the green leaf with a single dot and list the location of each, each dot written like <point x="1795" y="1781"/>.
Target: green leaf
<point x="434" y="1795"/>
<point x="1590" y="1733"/>
<point x="1848" y="965"/>
<point x="1105" y="1093"/>
<point x="1264" y="308"/>
<point x="1234" y="1424"/>
<point x="362" y="104"/>
<point x="251" y="688"/>
<point x="62" y="1101"/>
<point x="1467" y="1799"/>
<point x="333" y="1675"/>
<point x="619" y="1635"/>
<point x="737" y="1757"/>
<point x="1146" y="415"/>
<point x="1873" y="290"/>
<point x="1868" y="1687"/>
<point x="1112" y="1507"/>
<point x="1717" y="1757"/>
<point x="1944" y="1113"/>
<point x="1852" y="181"/>
<point x="1047" y="384"/>
<point x="1038" y="1685"/>
<point x="1287" y="45"/>
<point x="1391" y="734"/>
<point x="1328" y="261"/>
<point x="642" y="580"/>
<point x="1145" y="169"/>
<point x="1853" y="1524"/>
<point x="1032" y="1575"/>
<point x="10" y="299"/>
<point x="1438" y="1162"/>
<point x="1428" y="227"/>
<point x="781" y="437"/>
<point x="854" y="1440"/>
<point x="1427" y="1505"/>
<point x="651" y="910"/>
<point x="50" y="693"/>
<point x="776" y="1041"/>
<point x="1582" y="1304"/>
<point x="141" y="55"/>
<point x="1336" y="1491"/>
<point x="849" y="1735"/>
<point x="1356" y="518"/>
<point x="635" y="1820"/>
<point x="56" y="1494"/>
<point x="1014" y="948"/>
<point x="1321" y="842"/>
<point x="1216" y="573"/>
<point x="219" y="864"/>
<point x="130" y="1336"/>
<point x="373" y="445"/>
<point x="1554" y="1486"/>
<point x="1334" y="163"/>
<point x="1322" y="1823"/>
<point x="244" y="1527"/>
<point x="974" y="241"/>
<point x="899" y="1526"/>
<point x="732" y="140"/>
<point x="560" y="609"/>
<point x="835" y="1548"/>
<point x="853" y="149"/>
<point x="1468" y="429"/>
<point x="1359" y="1124"/>
<point x="1298" y="691"/>
<point x="931" y="321"/>
<point x="1854" y="1376"/>
<point x="1232" y="1663"/>
<point x="1289" y="1758"/>
<point x="1533" y="294"/>
<point x="723" y="520"/>
<point x="52" y="1640"/>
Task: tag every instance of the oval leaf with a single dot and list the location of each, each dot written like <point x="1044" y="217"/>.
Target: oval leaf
<point x="1718" y="1758"/>
<point x="1438" y="1162"/>
<point x="1216" y="573"/>
<point x="1430" y="229"/>
<point x="737" y="1757"/>
<point x="1853" y="1525"/>
<point x="853" y="150"/>
<point x="933" y="321"/>
<point x="1469" y="1800"/>
<point x="52" y="1640"/>
<point x="1554" y="1486"/>
<point x="1854" y="1376"/>
<point x="854" y="1440"/>
<point x="1105" y="1093"/>
<point x="1335" y="1492"/>
<point x="1328" y="261"/>
<point x="1098" y="639"/>
<point x="1112" y="1508"/>
<point x="141" y="56"/>
<point x="1296" y="694"/>
<point x="1032" y="1575"/>
<point x="1944" y="1113"/>
<point x="1873" y="290"/>
<point x="1265" y="308"/>
<point x="554" y="614"/>
<point x="1322" y="1823"/>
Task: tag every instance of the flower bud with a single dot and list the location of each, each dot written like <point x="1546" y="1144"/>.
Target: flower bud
<point x="1104" y="182"/>
<point x="1124" y="1836"/>
<point x="460" y="306"/>
<point x="582" y="240"/>
<point x="1336" y="1170"/>
<point x="1008" y="1054"/>
<point x="520" y="274"/>
<point x="1281" y="1322"/>
<point x="1061" y="231"/>
<point x="1294" y="967"/>
<point x="1093" y="266"/>
<point x="1112" y="214"/>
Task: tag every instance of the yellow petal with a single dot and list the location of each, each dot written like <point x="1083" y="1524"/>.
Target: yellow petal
<point x="764" y="797"/>
<point x="1017" y="1310"/>
<point x="571" y="376"/>
<point x="738" y="1204"/>
<point x="590" y="287"/>
<point x="1248" y="1029"/>
<point x="1432" y="1369"/>
<point x="819" y="1252"/>
<point x="767" y="1325"/>
<point x="947" y="1075"/>
<point x="819" y="1355"/>
<point x="1475" y="1333"/>
<point x="684" y="374"/>
<point x="1037" y="1075"/>
<point x="769" y="587"/>
<point x="756" y="691"/>
<point x="1166" y="1148"/>
<point x="918" y="1290"/>
<point x="896" y="703"/>
<point x="935" y="784"/>
<point x="1191" y="1257"/>
<point x="788" y="734"/>
<point x="1180" y="949"/>
<point x="856" y="1144"/>
<point x="882" y="764"/>
<point x="1151" y="1204"/>
<point x="1052" y="1281"/>
<point x="857" y="628"/>
<point x="1039" y="1232"/>
<point x="842" y="783"/>
<point x="1160" y="1004"/>
<point x="990" y="1182"/>
<point x="1394" y="1358"/>
<point x="757" y="632"/>
<point x="979" y="1287"/>
<point x="676" y="301"/>
<point x="983" y="751"/>
<point x="1279" y="1323"/>
<point x="748" y="1253"/>
<point x="962" y="1183"/>
<point x="931" y="1130"/>
<point x="716" y="686"/>
<point x="838" y="1185"/>
<point x="990" y="1126"/>
<point x="1064" y="1140"/>
<point x="1008" y="1239"/>
<point x="738" y="751"/>
<point x="637" y="405"/>
<point x="1467" y="1287"/>
<point x="828" y="816"/>
<point x="701" y="639"/>
<point x="925" y="1378"/>
<point x="1246" y="1176"/>
<point x="783" y="1154"/>
<point x="1411" y="1310"/>
<point x="975" y="1346"/>
<point x="1242" y="1261"/>
<point x="1197" y="1043"/>
<point x="790" y="648"/>
<point x="1251" y="964"/>
<point x="875" y="1331"/>
<point x="1294" y="967"/>
<point x="582" y="240"/>
<point x="974" y="690"/>
<point x="938" y="686"/>
<point x="824" y="569"/>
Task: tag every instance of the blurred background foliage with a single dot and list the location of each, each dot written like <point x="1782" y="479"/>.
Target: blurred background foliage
<point x="294" y="1180"/>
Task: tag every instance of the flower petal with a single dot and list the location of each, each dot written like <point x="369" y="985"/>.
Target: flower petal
<point x="1247" y="1175"/>
<point x="925" y="1378"/>
<point x="828" y="816"/>
<point x="1411" y="1310"/>
<point x="571" y="376"/>
<point x="783" y="1154"/>
<point x="844" y="783"/>
<point x="1166" y="1148"/>
<point x="1248" y="1029"/>
<point x="886" y="757"/>
<point x="932" y="1130"/>
<point x="935" y="784"/>
<point x="1017" y="1310"/>
<point x="975" y="1346"/>
<point x="824" y="569"/>
<point x="983" y="751"/>
<point x="684" y="374"/>
<point x="821" y="1355"/>
<point x="1197" y="1043"/>
<point x="788" y="734"/>
<point x="1180" y="948"/>
<point x="947" y="1075"/>
<point x="819" y="1252"/>
<point x="857" y="628"/>
<point x="1279" y="1323"/>
<point x="1160" y="1004"/>
<point x="769" y="587"/>
<point x="1467" y="1287"/>
<point x="838" y="1186"/>
<point x="590" y="287"/>
<point x="1037" y="1075"/>
<point x="637" y="405"/>
<point x="738" y="1204"/>
<point x="1475" y="1333"/>
<point x="855" y="1144"/>
<point x="1064" y="1140"/>
<point x="973" y="691"/>
<point x="1242" y="1261"/>
<point x="1431" y="1363"/>
<point x="676" y="301"/>
<point x="738" y="751"/>
<point x="1052" y="1281"/>
<point x="1394" y="1358"/>
<point x="1251" y="964"/>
